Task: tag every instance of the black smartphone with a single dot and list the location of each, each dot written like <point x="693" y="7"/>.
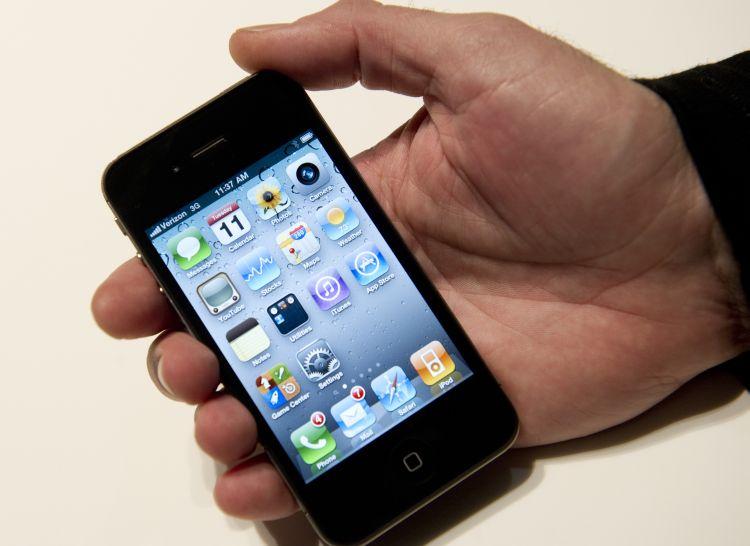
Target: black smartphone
<point x="369" y="397"/>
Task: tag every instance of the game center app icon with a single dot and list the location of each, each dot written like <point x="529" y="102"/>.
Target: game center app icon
<point x="228" y="223"/>
<point x="328" y="288"/>
<point x="353" y="414"/>
<point x="317" y="360"/>
<point x="258" y="268"/>
<point x="312" y="440"/>
<point x="432" y="362"/>
<point x="298" y="243"/>
<point x="393" y="388"/>
<point x="277" y="386"/>
<point x="188" y="248"/>
<point x="218" y="293"/>
<point x="366" y="263"/>
<point x="336" y="218"/>
<point x="269" y="198"/>
<point x="287" y="314"/>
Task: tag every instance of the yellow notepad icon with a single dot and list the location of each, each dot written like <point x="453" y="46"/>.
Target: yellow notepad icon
<point x="248" y="339"/>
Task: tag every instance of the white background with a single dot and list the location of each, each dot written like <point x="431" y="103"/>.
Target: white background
<point x="90" y="454"/>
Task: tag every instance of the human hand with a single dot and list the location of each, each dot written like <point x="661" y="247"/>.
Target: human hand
<point x="551" y="200"/>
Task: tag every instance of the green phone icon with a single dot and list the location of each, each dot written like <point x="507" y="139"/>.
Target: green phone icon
<point x="188" y="248"/>
<point x="313" y="443"/>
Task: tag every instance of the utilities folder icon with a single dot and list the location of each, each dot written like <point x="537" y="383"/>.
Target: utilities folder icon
<point x="248" y="339"/>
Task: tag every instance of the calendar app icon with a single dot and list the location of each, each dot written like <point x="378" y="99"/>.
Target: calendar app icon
<point x="228" y="223"/>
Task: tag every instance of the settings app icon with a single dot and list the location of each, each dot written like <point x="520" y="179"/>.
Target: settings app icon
<point x="317" y="360"/>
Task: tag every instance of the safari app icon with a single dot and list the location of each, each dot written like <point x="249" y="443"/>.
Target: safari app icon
<point x="188" y="248"/>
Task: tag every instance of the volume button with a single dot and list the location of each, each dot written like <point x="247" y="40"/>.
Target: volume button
<point x="119" y="225"/>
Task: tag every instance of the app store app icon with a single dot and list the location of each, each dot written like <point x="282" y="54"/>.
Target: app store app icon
<point x="366" y="263"/>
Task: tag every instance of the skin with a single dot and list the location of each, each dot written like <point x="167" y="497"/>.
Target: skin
<point x="594" y="278"/>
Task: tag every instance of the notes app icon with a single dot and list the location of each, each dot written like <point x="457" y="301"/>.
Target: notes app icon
<point x="328" y="289"/>
<point x="248" y="339"/>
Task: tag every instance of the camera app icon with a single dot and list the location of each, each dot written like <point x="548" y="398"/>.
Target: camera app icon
<point x="308" y="174"/>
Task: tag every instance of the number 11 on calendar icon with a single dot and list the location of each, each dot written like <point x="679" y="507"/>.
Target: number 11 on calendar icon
<point x="228" y="223"/>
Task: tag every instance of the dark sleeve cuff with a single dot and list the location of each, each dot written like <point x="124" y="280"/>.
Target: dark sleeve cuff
<point x="712" y="106"/>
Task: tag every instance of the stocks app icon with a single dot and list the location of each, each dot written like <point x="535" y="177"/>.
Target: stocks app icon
<point x="258" y="268"/>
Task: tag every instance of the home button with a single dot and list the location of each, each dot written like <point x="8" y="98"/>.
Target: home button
<point x="412" y="461"/>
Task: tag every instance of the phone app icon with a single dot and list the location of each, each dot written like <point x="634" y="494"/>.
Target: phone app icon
<point x="269" y="198"/>
<point x="218" y="293"/>
<point x="337" y="218"/>
<point x="308" y="174"/>
<point x="298" y="243"/>
<point x="328" y="288"/>
<point x="432" y="362"/>
<point x="366" y="263"/>
<point x="277" y="386"/>
<point x="353" y="415"/>
<point x="258" y="268"/>
<point x="248" y="339"/>
<point x="188" y="248"/>
<point x="288" y="314"/>
<point x="228" y="223"/>
<point x="393" y="388"/>
<point x="313" y="442"/>
<point x="317" y="360"/>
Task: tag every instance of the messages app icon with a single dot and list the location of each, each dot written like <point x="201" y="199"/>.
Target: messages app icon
<point x="258" y="268"/>
<point x="188" y="248"/>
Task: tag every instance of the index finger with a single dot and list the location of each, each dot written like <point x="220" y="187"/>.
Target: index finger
<point x="408" y="51"/>
<point x="128" y="303"/>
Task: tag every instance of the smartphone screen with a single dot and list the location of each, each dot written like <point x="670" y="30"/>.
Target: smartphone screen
<point x="309" y="305"/>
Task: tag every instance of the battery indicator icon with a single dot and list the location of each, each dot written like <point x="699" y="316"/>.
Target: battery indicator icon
<point x="307" y="137"/>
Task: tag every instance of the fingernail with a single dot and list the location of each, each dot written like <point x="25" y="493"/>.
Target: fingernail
<point x="262" y="28"/>
<point x="156" y="371"/>
<point x="160" y="376"/>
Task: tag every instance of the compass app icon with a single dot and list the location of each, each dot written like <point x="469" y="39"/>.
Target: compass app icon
<point x="258" y="268"/>
<point x="393" y="388"/>
<point x="366" y="263"/>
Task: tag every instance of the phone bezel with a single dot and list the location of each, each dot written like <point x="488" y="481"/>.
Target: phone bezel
<point x="255" y="117"/>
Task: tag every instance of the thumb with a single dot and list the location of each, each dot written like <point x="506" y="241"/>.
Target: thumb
<point x="408" y="51"/>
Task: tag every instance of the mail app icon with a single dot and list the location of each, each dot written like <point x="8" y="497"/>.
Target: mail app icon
<point x="353" y="416"/>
